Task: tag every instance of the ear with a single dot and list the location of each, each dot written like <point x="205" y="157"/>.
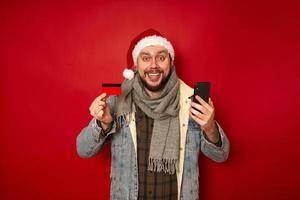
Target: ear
<point x="135" y="68"/>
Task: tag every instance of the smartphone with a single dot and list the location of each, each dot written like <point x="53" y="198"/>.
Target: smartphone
<point x="111" y="88"/>
<point x="201" y="89"/>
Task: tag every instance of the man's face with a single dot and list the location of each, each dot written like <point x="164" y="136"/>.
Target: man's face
<point x="154" y="66"/>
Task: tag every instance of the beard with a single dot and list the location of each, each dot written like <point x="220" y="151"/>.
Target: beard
<point x="160" y="86"/>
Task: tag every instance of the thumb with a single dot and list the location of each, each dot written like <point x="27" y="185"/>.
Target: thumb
<point x="107" y="109"/>
<point x="210" y="102"/>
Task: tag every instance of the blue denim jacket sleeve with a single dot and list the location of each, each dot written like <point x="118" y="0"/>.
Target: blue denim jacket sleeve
<point x="89" y="141"/>
<point x="218" y="154"/>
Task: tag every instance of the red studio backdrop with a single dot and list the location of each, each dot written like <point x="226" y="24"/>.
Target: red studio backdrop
<point x="55" y="56"/>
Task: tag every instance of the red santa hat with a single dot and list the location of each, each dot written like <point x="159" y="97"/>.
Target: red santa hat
<point x="147" y="38"/>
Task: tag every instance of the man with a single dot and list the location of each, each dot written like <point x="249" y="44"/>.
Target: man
<point x="155" y="129"/>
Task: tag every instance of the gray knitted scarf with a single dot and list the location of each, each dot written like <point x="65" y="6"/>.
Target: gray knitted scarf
<point x="164" y="109"/>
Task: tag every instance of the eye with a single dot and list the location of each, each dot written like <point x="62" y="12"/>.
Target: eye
<point x="146" y="58"/>
<point x="161" y="58"/>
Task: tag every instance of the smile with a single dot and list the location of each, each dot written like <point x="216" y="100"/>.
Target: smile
<point x="152" y="74"/>
<point x="153" y="77"/>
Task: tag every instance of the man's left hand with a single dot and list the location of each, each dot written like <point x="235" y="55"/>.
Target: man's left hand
<point x="206" y="118"/>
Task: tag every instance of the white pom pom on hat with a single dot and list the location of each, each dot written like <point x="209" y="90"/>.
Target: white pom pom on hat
<point x="128" y="74"/>
<point x="147" y="38"/>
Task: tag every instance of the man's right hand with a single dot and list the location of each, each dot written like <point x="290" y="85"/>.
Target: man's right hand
<point x="100" y="111"/>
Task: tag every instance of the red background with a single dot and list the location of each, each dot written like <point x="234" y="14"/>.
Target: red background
<point x="54" y="57"/>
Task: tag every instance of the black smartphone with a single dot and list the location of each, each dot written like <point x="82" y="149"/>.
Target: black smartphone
<point x="201" y="89"/>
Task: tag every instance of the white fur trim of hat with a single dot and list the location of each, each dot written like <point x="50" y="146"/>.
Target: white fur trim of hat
<point x="149" y="41"/>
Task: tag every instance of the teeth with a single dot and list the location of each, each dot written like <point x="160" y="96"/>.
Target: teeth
<point x="154" y="74"/>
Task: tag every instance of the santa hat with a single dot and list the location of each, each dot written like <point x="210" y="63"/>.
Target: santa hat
<point x="147" y="38"/>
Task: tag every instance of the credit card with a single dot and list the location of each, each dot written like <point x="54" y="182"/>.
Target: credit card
<point x="111" y="88"/>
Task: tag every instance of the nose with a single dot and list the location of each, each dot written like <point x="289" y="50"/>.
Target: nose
<point x="153" y="63"/>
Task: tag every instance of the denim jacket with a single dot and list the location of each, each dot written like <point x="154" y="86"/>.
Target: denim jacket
<point x="124" y="171"/>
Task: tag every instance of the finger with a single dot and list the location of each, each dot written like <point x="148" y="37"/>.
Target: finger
<point x="197" y="114"/>
<point x="93" y="113"/>
<point x="199" y="121"/>
<point x="92" y="106"/>
<point x="211" y="102"/>
<point x="203" y="103"/>
<point x="98" y="108"/>
<point x="199" y="107"/>
<point x="97" y="101"/>
<point x="100" y="114"/>
<point x="101" y="103"/>
<point x="101" y="97"/>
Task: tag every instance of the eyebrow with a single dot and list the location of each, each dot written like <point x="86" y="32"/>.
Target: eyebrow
<point x="146" y="53"/>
